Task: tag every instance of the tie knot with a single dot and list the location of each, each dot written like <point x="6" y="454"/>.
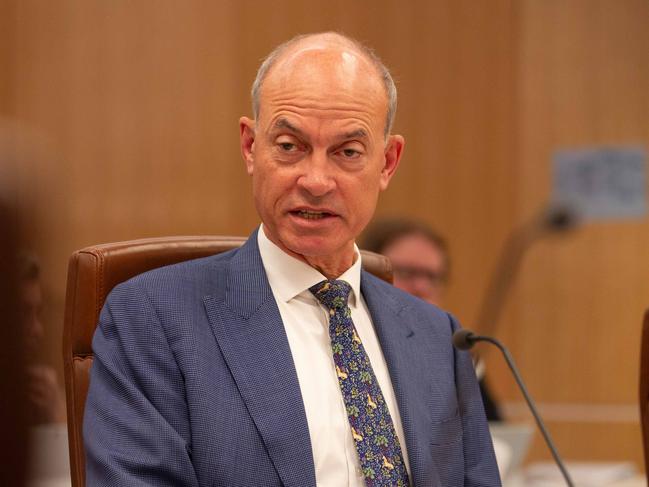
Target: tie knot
<point x="333" y="294"/>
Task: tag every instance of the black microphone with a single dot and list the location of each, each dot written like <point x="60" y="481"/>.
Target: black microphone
<point x="464" y="340"/>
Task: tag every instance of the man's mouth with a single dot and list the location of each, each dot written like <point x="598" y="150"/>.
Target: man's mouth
<point x="312" y="215"/>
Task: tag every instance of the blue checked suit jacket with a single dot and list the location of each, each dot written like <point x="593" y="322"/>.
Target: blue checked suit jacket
<point x="193" y="384"/>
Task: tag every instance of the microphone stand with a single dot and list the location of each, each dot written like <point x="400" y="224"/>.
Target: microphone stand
<point x="555" y="219"/>
<point x="465" y="340"/>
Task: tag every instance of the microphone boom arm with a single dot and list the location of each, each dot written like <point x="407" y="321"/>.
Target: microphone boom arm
<point x="466" y="340"/>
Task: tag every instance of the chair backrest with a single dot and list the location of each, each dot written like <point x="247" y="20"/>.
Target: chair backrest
<point x="92" y="274"/>
<point x="644" y="390"/>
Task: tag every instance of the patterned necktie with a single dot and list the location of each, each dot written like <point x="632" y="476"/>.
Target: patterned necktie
<point x="376" y="441"/>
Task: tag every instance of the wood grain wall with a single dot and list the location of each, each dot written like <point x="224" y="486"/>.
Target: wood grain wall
<point x="123" y="118"/>
<point x="582" y="73"/>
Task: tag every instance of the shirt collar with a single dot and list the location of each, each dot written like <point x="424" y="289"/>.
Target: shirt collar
<point x="288" y="277"/>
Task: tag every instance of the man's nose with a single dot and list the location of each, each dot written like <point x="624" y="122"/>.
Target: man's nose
<point x="426" y="289"/>
<point x="317" y="177"/>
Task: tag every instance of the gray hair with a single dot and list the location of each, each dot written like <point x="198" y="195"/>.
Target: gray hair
<point x="384" y="72"/>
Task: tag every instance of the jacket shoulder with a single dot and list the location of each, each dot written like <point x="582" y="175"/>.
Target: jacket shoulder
<point x="201" y="274"/>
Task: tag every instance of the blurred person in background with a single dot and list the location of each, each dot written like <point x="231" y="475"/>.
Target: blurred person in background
<point x="419" y="256"/>
<point x="13" y="394"/>
<point x="421" y="267"/>
<point x="45" y="394"/>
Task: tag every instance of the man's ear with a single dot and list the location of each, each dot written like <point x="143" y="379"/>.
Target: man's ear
<point x="247" y="142"/>
<point x="393" y="152"/>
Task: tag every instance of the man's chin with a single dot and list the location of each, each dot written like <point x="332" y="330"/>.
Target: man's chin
<point x="314" y="249"/>
<point x="314" y="246"/>
<point x="311" y="248"/>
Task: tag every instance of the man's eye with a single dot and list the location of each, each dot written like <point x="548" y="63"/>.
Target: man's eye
<point x="351" y="153"/>
<point x="287" y="146"/>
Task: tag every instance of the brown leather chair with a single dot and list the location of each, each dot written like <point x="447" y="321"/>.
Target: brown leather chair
<point x="92" y="273"/>
<point x="644" y="390"/>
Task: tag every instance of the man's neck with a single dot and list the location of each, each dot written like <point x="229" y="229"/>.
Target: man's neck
<point x="329" y="269"/>
<point x="330" y="266"/>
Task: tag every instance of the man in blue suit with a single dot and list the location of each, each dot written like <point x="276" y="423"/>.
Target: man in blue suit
<point x="283" y="363"/>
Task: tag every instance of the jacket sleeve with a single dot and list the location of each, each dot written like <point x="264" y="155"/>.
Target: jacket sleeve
<point x="136" y="423"/>
<point x="480" y="467"/>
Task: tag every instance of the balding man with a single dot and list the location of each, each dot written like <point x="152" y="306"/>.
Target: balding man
<point x="283" y="363"/>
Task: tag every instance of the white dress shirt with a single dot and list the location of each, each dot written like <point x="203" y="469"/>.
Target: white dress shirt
<point x="307" y="326"/>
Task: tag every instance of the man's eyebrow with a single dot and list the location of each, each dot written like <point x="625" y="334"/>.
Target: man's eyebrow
<point x="282" y="123"/>
<point x="355" y="134"/>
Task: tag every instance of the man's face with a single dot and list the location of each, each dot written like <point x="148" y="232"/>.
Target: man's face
<point x="317" y="154"/>
<point x="419" y="267"/>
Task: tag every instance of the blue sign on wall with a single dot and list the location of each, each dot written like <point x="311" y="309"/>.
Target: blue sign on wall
<point x="602" y="183"/>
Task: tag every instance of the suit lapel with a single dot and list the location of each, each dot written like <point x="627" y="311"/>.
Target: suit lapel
<point x="248" y="327"/>
<point x="405" y="356"/>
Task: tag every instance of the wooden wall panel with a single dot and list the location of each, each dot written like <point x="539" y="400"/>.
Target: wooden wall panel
<point x="575" y="316"/>
<point x="6" y="53"/>
<point x="456" y="113"/>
